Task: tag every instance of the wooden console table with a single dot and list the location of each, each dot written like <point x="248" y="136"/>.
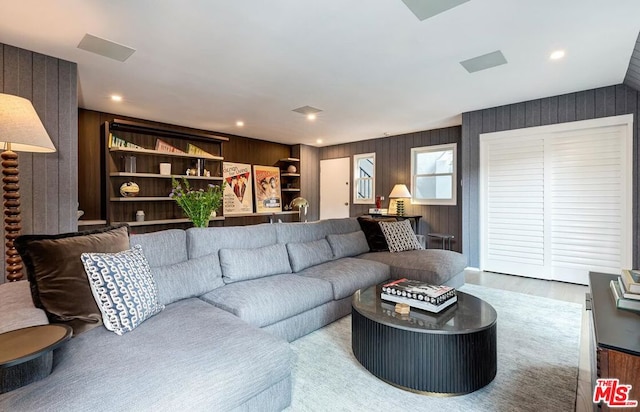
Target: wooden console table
<point x="615" y="338"/>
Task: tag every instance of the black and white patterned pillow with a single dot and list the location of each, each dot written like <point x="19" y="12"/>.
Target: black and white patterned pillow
<point x="400" y="236"/>
<point x="123" y="288"/>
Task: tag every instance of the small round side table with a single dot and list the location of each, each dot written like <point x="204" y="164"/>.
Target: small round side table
<point x="26" y="354"/>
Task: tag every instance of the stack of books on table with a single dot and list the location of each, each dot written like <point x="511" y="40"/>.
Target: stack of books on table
<point x="626" y="290"/>
<point x="432" y="298"/>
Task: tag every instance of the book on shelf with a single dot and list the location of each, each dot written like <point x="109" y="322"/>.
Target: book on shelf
<point x="625" y="293"/>
<point x="420" y="304"/>
<point x="631" y="280"/>
<point x="420" y="291"/>
<point x="621" y="302"/>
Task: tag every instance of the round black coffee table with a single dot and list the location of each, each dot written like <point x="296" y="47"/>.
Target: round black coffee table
<point x="452" y="352"/>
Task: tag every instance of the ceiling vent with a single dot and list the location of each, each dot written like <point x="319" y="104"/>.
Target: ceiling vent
<point x="486" y="61"/>
<point x="307" y="110"/>
<point x="425" y="9"/>
<point x="105" y="48"/>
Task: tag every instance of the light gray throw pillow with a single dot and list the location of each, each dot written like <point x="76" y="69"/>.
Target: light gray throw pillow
<point x="348" y="244"/>
<point x="307" y="254"/>
<point x="245" y="264"/>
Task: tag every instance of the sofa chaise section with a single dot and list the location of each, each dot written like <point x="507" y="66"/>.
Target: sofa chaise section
<point x="192" y="356"/>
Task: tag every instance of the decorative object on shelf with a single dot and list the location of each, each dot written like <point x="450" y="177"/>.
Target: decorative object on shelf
<point x="197" y="204"/>
<point x="117" y="142"/>
<point x="238" y="192"/>
<point x="400" y="192"/>
<point x="197" y="167"/>
<point x="129" y="164"/>
<point x="195" y="150"/>
<point x="302" y="205"/>
<point x="165" y="169"/>
<point x="378" y="202"/>
<point x="129" y="189"/>
<point x="20" y="130"/>
<point x="268" y="194"/>
<point x="163" y="146"/>
<point x="140" y="216"/>
<point x="292" y="169"/>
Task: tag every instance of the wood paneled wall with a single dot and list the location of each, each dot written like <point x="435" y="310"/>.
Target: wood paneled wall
<point x="393" y="165"/>
<point x="310" y="178"/>
<point x="238" y="149"/>
<point x="48" y="182"/>
<point x="588" y="104"/>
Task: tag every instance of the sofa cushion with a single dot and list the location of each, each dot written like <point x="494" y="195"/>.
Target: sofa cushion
<point x="176" y="276"/>
<point x="400" y="236"/>
<point x="304" y="255"/>
<point x="17" y="309"/>
<point x="245" y="264"/>
<point x="261" y="302"/>
<point x="58" y="281"/>
<point x="207" y="241"/>
<point x="348" y="244"/>
<point x="302" y="232"/>
<point x="434" y="266"/>
<point x="123" y="288"/>
<point x="166" y="247"/>
<point x="373" y="233"/>
<point x="191" y="357"/>
<point x="347" y="275"/>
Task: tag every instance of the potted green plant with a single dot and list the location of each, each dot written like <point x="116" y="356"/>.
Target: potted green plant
<point x="197" y="204"/>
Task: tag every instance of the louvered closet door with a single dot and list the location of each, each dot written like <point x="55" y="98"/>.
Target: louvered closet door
<point x="555" y="200"/>
<point x="587" y="203"/>
<point x="514" y="223"/>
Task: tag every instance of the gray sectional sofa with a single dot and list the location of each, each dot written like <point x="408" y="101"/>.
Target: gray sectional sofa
<point x="235" y="297"/>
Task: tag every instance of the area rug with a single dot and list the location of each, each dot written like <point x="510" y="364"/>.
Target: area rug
<point x="538" y="352"/>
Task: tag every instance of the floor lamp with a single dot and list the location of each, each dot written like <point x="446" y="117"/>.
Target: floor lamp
<point x="20" y="131"/>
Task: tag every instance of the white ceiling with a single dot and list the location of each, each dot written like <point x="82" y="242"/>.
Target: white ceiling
<point x="371" y="66"/>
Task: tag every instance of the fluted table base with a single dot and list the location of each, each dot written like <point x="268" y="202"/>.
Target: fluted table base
<point x="432" y="361"/>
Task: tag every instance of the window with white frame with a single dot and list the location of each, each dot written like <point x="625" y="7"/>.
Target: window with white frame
<point x="364" y="179"/>
<point x="433" y="174"/>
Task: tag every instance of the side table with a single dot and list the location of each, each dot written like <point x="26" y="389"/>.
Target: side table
<point x="444" y="238"/>
<point x="26" y="355"/>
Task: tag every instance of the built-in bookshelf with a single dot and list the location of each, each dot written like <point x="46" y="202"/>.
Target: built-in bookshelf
<point x="134" y="152"/>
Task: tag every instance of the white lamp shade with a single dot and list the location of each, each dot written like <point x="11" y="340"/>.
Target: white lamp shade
<point x="400" y="191"/>
<point x="21" y="127"/>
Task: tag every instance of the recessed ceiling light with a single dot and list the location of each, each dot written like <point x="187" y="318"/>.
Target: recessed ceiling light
<point x="116" y="98"/>
<point x="558" y="54"/>
<point x="311" y="116"/>
<point x="239" y="123"/>
<point x="318" y="141"/>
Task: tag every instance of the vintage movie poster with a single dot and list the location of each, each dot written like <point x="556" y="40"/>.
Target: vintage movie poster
<point x="238" y="196"/>
<point x="267" y="183"/>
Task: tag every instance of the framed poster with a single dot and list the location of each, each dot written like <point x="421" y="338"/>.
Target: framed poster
<point x="238" y="196"/>
<point x="267" y="183"/>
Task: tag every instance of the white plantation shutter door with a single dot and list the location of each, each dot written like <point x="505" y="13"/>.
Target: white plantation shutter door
<point x="514" y="237"/>
<point x="555" y="204"/>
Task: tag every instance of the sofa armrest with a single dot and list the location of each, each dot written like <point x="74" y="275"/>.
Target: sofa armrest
<point x="17" y="309"/>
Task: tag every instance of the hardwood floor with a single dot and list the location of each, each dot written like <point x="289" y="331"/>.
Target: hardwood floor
<point x="553" y="290"/>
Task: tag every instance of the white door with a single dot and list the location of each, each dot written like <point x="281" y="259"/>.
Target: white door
<point x="334" y="188"/>
<point x="556" y="200"/>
